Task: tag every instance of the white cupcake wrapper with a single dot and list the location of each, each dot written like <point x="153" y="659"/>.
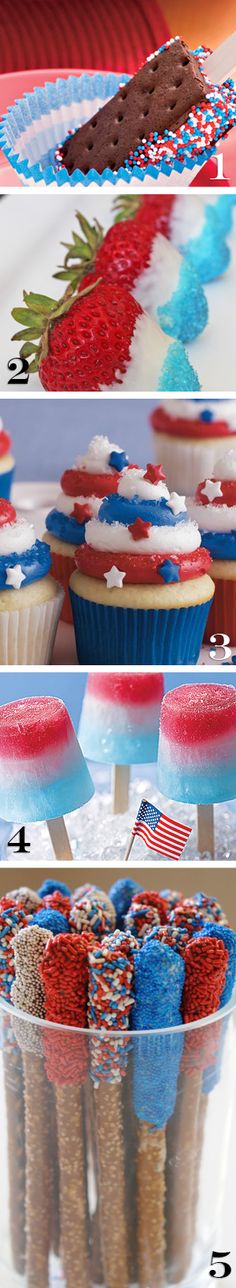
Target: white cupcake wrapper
<point x="188" y="462"/>
<point x="27" y="635"/>
<point x="39" y="122"/>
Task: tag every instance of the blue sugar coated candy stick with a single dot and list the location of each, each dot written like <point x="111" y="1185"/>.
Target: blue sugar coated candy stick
<point x="50" y="885"/>
<point x="228" y="936"/>
<point x="177" y="374"/>
<point x="52" y="920"/>
<point x="209" y="252"/>
<point x="158" y="986"/>
<point x="121" y="895"/>
<point x="185" y="315"/>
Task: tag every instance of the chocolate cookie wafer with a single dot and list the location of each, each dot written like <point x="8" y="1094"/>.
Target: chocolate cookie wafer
<point x="158" y="98"/>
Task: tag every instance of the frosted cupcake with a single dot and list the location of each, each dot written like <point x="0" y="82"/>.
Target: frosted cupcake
<point x="189" y="436"/>
<point x="93" y="476"/>
<point x="30" y="600"/>
<point x="142" y="590"/>
<point x="7" y="463"/>
<point x="214" y="509"/>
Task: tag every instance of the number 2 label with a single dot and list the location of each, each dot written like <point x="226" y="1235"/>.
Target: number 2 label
<point x="20" y="367"/>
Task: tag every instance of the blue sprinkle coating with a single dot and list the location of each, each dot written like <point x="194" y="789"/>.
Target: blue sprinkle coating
<point x="50" y="885"/>
<point x="229" y="939"/>
<point x="185" y="315"/>
<point x="208" y="253"/>
<point x="224" y="206"/>
<point x="52" y="920"/>
<point x="65" y="527"/>
<point x="35" y="563"/>
<point x="121" y="895"/>
<point x="221" y="545"/>
<point x="177" y="375"/>
<point x="158" y="986"/>
<point x="118" y="509"/>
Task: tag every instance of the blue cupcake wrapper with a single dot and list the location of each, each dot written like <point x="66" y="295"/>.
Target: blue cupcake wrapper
<point x="108" y="635"/>
<point x="6" y="481"/>
<point x="76" y="91"/>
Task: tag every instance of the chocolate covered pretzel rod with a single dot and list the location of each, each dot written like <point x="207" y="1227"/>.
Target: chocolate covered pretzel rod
<point x="159" y="978"/>
<point x="110" y="1001"/>
<point x="64" y="974"/>
<point x="27" y="994"/>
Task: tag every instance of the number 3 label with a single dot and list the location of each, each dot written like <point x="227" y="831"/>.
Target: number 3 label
<point x="220" y="1265"/>
<point x="221" y="642"/>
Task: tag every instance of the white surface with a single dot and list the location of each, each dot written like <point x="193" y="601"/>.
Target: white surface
<point x="31" y="251"/>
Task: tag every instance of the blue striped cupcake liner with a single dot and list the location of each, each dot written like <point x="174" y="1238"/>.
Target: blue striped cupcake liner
<point x="109" y="635"/>
<point x="6" y="481"/>
<point x="35" y="126"/>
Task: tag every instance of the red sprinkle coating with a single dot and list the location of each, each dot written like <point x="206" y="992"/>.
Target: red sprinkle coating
<point x="205" y="966"/>
<point x="64" y="974"/>
<point x="58" y="901"/>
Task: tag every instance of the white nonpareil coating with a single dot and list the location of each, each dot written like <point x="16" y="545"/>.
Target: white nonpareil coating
<point x="65" y="504"/>
<point x="187" y="220"/>
<point x="182" y="538"/>
<point x="16" y="537"/>
<point x="158" y="282"/>
<point x="133" y="483"/>
<point x="194" y="408"/>
<point x="226" y="467"/>
<point x="96" y="460"/>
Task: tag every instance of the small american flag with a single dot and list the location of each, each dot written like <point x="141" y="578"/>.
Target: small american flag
<point x="160" y="832"/>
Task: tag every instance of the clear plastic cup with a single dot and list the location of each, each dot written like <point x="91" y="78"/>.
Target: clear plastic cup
<point x="116" y="1163"/>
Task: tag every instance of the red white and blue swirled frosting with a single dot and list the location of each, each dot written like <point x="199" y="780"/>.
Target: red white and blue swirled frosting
<point x="142" y="534"/>
<point x="214" y="508"/>
<point x="23" y="559"/>
<point x="93" y="477"/>
<point x="206" y="123"/>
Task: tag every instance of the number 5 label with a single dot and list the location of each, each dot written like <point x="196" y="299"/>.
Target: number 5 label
<point x="220" y="1267"/>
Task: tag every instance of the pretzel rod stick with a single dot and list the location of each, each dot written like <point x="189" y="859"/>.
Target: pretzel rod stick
<point x="64" y="972"/>
<point x="130" y="1143"/>
<point x="111" y="1167"/>
<point x="110" y="980"/>
<point x="97" y="1273"/>
<point x="14" y="1094"/>
<point x="26" y="993"/>
<point x="120" y="788"/>
<point x="205" y="966"/>
<point x="182" y="1146"/>
<point x="151" y="1158"/>
<point x="38" y="1174"/>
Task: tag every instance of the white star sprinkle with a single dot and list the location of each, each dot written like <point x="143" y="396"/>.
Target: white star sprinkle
<point x="211" y="489"/>
<point x="15" y="576"/>
<point x="177" y="503"/>
<point x="114" y="578"/>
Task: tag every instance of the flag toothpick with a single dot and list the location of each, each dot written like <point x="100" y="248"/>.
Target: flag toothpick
<point x="165" y="835"/>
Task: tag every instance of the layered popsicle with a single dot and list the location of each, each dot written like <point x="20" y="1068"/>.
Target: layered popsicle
<point x="197" y="747"/>
<point x="120" y="717"/>
<point x="43" y="774"/>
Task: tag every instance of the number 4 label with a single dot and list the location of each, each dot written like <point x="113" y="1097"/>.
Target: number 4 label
<point x="18" y="841"/>
<point x="220" y="1268"/>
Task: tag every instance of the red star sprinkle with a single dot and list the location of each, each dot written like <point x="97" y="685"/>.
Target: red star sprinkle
<point x="154" y="473"/>
<point x="139" y="529"/>
<point x="81" y="512"/>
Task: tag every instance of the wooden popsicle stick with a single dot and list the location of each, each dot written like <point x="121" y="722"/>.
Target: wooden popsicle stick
<point x="120" y="788"/>
<point x="219" y="65"/>
<point x="129" y="848"/>
<point x="205" y="829"/>
<point x="59" y="839"/>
